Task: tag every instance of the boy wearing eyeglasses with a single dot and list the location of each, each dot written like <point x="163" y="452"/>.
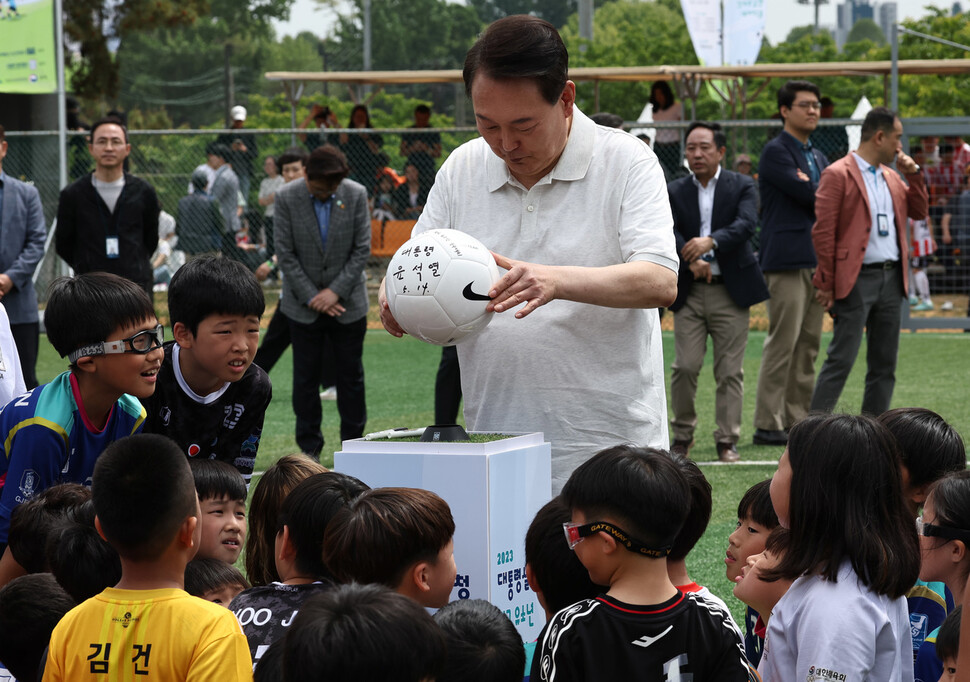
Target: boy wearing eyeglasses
<point x="105" y="326"/>
<point x="211" y="398"/>
<point x="628" y="504"/>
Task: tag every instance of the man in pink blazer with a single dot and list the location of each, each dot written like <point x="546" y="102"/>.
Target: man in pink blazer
<point x="860" y="239"/>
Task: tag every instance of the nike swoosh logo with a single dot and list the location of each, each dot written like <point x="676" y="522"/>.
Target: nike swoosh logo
<point x="471" y="295"/>
<point x="646" y="640"/>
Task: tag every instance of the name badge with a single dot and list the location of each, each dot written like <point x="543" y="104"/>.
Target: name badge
<point x="111" y="247"/>
<point x="882" y="224"/>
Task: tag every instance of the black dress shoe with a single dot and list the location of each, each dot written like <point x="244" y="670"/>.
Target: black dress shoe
<point x="727" y="452"/>
<point x="766" y="437"/>
<point x="681" y="447"/>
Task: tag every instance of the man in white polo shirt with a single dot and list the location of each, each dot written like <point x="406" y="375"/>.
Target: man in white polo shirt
<point x="580" y="216"/>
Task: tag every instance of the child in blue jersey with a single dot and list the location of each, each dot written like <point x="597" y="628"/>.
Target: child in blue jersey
<point x="106" y="327"/>
<point x="211" y="398"/>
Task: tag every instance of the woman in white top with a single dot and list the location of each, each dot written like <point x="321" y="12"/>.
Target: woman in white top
<point x="853" y="554"/>
<point x="667" y="145"/>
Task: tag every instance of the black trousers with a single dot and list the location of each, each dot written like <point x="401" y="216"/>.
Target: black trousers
<point x="26" y="337"/>
<point x="309" y="358"/>
<point x="277" y="339"/>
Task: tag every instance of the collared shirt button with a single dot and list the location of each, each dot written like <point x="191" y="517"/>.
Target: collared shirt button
<point x="530" y="208"/>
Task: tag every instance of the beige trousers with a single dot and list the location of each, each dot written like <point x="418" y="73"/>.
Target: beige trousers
<point x="709" y="310"/>
<point x="787" y="374"/>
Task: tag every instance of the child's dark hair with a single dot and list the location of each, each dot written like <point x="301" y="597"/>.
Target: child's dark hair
<point x="639" y="488"/>
<point x="143" y="491"/>
<point x="34" y="520"/>
<point x="846" y="502"/>
<point x="264" y="510"/>
<point x="483" y="645"/>
<point x="87" y="309"/>
<point x="80" y="559"/>
<point x="951" y="502"/>
<point x="558" y="572"/>
<point x="208" y="575"/>
<point x="363" y="632"/>
<point x="756" y="505"/>
<point x="307" y="512"/>
<point x="215" y="479"/>
<point x="948" y="638"/>
<point x="213" y="286"/>
<point x="699" y="514"/>
<point x="380" y="535"/>
<point x="930" y="448"/>
<point x="30" y="607"/>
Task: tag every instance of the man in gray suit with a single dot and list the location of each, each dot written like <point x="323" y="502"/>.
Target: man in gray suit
<point x="323" y="242"/>
<point x="22" y="235"/>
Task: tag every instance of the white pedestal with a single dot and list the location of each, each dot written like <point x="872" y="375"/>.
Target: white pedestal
<point x="494" y="490"/>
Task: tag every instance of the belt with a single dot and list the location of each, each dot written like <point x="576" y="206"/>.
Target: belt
<point x="885" y="265"/>
<point x="715" y="279"/>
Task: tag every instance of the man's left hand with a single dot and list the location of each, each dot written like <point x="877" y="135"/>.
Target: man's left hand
<point x="696" y="248"/>
<point x="528" y="283"/>
<point x="327" y="302"/>
<point x="6" y="284"/>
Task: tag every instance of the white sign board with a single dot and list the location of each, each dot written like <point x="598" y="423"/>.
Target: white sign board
<point x="494" y="490"/>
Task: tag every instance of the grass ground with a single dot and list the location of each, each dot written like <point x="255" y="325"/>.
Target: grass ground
<point x="932" y="373"/>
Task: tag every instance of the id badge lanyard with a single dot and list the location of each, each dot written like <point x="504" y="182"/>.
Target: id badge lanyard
<point x="882" y="211"/>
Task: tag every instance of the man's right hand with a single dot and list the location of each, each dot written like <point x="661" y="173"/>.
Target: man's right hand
<point x="826" y="298"/>
<point x="387" y="319"/>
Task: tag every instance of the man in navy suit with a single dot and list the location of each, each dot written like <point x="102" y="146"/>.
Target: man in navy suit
<point x="715" y="212"/>
<point x="22" y="234"/>
<point x="323" y="242"/>
<point x="789" y="173"/>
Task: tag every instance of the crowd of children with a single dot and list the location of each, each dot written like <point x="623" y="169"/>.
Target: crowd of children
<point x="119" y="547"/>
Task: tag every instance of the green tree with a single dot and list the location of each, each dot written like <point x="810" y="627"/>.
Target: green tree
<point x="866" y="29"/>
<point x="90" y="25"/>
<point x="181" y="69"/>
<point x="556" y="12"/>
<point x="628" y="33"/>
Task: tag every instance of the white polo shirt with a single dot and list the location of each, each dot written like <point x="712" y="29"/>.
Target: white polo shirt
<point x="589" y="377"/>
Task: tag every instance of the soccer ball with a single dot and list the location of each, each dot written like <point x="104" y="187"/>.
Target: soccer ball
<point x="437" y="286"/>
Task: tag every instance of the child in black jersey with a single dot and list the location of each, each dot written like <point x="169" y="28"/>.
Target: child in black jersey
<point x="210" y="398"/>
<point x="265" y="612"/>
<point x="628" y="505"/>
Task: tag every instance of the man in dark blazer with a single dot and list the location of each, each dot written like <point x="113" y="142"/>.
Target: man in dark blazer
<point x="788" y="175"/>
<point x="714" y="218"/>
<point x="863" y="258"/>
<point x="22" y="234"/>
<point x="323" y="242"/>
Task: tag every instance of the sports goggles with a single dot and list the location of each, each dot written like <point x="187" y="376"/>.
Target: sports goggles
<point x="143" y="342"/>
<point x="576" y="532"/>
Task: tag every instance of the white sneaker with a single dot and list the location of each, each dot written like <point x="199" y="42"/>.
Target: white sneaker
<point x="947" y="305"/>
<point x="329" y="394"/>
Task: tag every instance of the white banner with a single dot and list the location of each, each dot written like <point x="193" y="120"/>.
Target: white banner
<point x="744" y="22"/>
<point x="703" y="19"/>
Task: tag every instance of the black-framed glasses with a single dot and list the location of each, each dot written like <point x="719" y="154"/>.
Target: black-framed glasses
<point x="575" y="533"/>
<point x="143" y="342"/>
<point x="930" y="530"/>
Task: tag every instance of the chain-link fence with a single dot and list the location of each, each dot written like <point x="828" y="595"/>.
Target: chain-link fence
<point x="379" y="159"/>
